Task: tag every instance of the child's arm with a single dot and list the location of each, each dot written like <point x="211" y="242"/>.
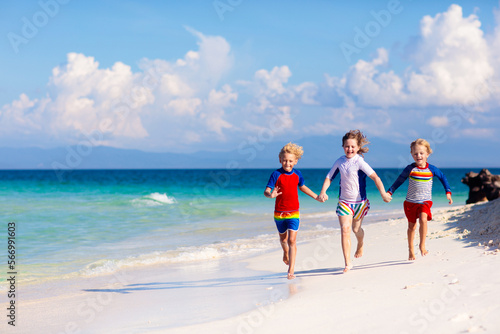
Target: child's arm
<point x="401" y="179"/>
<point x="272" y="193"/>
<point x="440" y="175"/>
<point x="309" y="192"/>
<point x="380" y="186"/>
<point x="323" y="196"/>
<point x="334" y="171"/>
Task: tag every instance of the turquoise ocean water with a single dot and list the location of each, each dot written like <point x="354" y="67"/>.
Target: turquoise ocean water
<point x="94" y="222"/>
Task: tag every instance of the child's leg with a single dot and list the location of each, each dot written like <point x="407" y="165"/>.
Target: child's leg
<point x="284" y="245"/>
<point x="292" y="248"/>
<point x="412" y="227"/>
<point x="423" y="233"/>
<point x="360" y="234"/>
<point x="345" y="225"/>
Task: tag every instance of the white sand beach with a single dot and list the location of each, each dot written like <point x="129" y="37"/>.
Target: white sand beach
<point x="454" y="289"/>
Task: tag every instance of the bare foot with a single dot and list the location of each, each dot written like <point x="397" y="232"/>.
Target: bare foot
<point x="359" y="251"/>
<point x="291" y="276"/>
<point x="424" y="251"/>
<point x="285" y="258"/>
<point x="412" y="257"/>
<point x="347" y="268"/>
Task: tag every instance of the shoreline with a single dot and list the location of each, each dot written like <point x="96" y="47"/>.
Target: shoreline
<point x="451" y="290"/>
<point x="252" y="294"/>
<point x="312" y="225"/>
<point x="138" y="298"/>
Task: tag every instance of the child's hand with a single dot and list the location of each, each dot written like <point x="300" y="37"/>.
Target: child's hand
<point x="386" y="197"/>
<point x="275" y="192"/>
<point x="322" y="198"/>
<point x="450" y="200"/>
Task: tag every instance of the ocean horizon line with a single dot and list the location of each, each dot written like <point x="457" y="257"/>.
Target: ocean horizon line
<point x="211" y="168"/>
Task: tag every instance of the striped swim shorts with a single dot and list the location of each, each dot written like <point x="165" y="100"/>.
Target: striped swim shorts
<point x="355" y="209"/>
<point x="287" y="221"/>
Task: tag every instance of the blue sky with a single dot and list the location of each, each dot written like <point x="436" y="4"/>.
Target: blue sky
<point x="183" y="76"/>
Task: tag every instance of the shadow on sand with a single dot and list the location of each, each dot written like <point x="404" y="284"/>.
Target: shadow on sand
<point x="268" y="280"/>
<point x="480" y="220"/>
<point x="340" y="270"/>
<point x="272" y="279"/>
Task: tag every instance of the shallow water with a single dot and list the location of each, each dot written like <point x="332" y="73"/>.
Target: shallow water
<point x="95" y="222"/>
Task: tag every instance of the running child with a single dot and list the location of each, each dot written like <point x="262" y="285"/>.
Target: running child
<point x="283" y="185"/>
<point x="418" y="201"/>
<point x="353" y="204"/>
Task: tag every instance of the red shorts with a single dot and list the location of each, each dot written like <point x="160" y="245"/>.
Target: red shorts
<point x="413" y="210"/>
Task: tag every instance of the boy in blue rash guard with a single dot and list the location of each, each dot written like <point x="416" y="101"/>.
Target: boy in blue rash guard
<point x="283" y="185"/>
<point x="418" y="201"/>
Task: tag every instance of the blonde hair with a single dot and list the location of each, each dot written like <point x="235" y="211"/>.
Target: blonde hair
<point x="360" y="139"/>
<point x="422" y="142"/>
<point x="293" y="149"/>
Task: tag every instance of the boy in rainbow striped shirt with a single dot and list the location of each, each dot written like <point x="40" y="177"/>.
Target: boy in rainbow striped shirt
<point x="283" y="185"/>
<point x="418" y="201"/>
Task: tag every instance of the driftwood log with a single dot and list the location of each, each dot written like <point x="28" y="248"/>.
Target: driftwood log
<point x="483" y="186"/>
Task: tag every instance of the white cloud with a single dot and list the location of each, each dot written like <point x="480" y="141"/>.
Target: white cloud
<point x="480" y="133"/>
<point x="453" y="58"/>
<point x="274" y="104"/>
<point x="371" y="121"/>
<point x="83" y="98"/>
<point x="215" y="105"/>
<point x="307" y="93"/>
<point x="22" y="116"/>
<point x="214" y="58"/>
<point x="189" y="105"/>
<point x="271" y="83"/>
<point x="173" y="85"/>
<point x="372" y="87"/>
<point x="438" y="121"/>
<point x="184" y="106"/>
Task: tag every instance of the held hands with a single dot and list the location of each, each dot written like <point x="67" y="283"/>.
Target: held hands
<point x="323" y="197"/>
<point x="386" y="197"/>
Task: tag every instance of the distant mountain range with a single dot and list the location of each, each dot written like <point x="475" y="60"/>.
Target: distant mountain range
<point x="319" y="152"/>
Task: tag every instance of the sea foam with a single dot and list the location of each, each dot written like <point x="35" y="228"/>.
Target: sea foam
<point x="154" y="199"/>
<point x="208" y="252"/>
